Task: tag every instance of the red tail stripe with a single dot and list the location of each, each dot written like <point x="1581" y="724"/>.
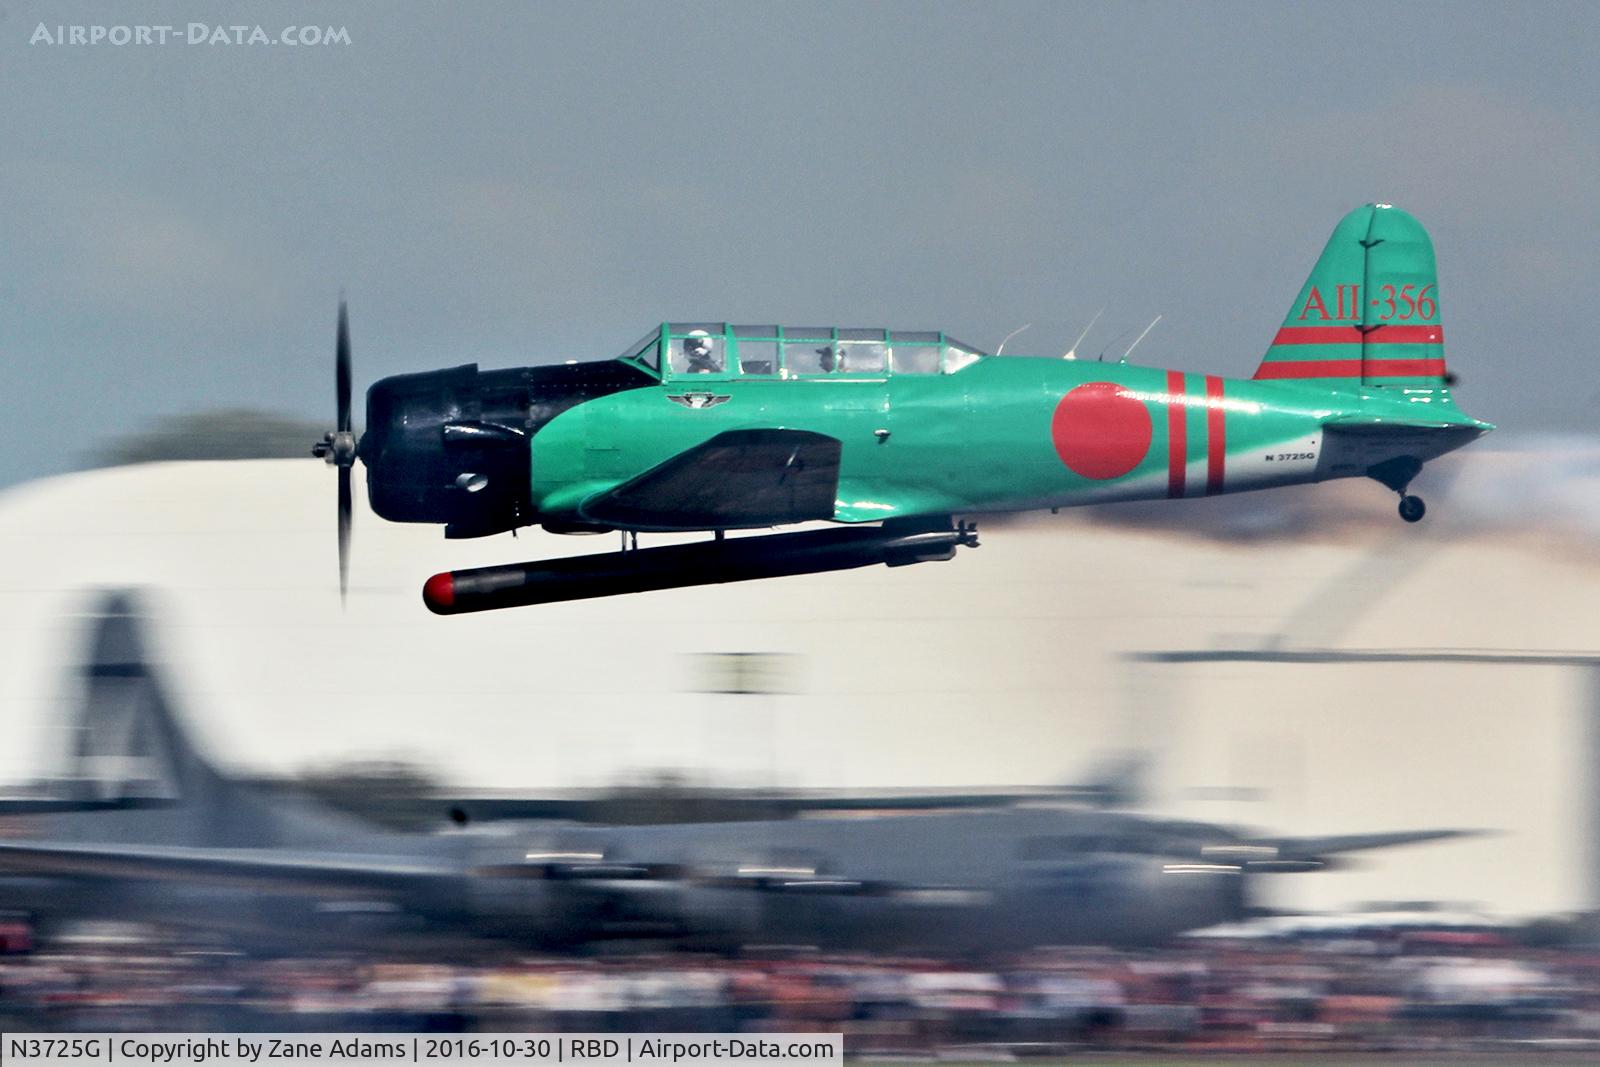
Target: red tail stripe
<point x="1216" y="435"/>
<point x="1177" y="434"/>
<point x="1351" y="368"/>
<point x="1383" y="334"/>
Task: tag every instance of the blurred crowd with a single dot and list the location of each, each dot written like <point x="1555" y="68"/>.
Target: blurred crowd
<point x="1433" y="992"/>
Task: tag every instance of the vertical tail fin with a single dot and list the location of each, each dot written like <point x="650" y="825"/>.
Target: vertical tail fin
<point x="126" y="744"/>
<point x="1369" y="313"/>
<point x="128" y="748"/>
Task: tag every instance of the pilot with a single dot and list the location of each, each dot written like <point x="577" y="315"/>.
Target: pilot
<point x="701" y="354"/>
<point x="827" y="359"/>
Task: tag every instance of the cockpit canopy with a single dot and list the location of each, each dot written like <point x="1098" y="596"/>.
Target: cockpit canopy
<point x="716" y="348"/>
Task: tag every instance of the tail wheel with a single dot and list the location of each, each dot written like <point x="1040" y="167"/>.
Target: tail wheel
<point x="1412" y="508"/>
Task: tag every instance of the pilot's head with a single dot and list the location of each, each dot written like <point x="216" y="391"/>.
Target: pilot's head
<point x="827" y="358"/>
<point x="697" y="347"/>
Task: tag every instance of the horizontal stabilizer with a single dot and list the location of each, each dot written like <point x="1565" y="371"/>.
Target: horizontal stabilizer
<point x="1315" y="848"/>
<point x="1385" y="427"/>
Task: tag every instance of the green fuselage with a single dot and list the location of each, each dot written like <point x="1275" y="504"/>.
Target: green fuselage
<point x="711" y="426"/>
<point x="1006" y="434"/>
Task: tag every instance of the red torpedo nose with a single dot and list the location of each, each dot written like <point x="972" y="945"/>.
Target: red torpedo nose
<point x="439" y="593"/>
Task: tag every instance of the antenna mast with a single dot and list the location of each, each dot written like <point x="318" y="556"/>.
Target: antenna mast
<point x="1072" y="353"/>
<point x="1141" y="337"/>
<point x="1009" y="336"/>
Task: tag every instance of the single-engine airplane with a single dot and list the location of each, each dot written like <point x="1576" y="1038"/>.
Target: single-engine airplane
<point x="898" y="435"/>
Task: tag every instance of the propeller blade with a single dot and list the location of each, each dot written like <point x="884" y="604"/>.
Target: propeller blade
<point x="339" y="446"/>
<point x="346" y="517"/>
<point x="341" y="365"/>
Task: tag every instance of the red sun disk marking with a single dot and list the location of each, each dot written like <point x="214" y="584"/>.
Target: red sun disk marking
<point x="1100" y="431"/>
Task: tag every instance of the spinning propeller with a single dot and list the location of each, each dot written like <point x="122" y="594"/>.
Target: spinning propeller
<point x="338" y="446"/>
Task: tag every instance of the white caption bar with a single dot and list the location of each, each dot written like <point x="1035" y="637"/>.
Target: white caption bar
<point x="441" y="1050"/>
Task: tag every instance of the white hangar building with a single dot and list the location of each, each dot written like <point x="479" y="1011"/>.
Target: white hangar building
<point x="1299" y="661"/>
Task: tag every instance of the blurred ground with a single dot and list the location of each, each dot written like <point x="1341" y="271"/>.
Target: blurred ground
<point x="1415" y="995"/>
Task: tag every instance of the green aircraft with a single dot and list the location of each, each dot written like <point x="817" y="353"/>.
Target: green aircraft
<point x="899" y="436"/>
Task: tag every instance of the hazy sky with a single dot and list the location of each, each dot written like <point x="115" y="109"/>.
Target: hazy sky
<point x="519" y="183"/>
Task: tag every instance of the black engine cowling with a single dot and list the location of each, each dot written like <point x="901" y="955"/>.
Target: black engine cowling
<point x="453" y="446"/>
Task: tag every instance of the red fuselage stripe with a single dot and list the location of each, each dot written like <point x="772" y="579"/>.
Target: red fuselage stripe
<point x="1177" y="434"/>
<point x="1381" y="334"/>
<point x="1216" y="435"/>
<point x="1351" y="368"/>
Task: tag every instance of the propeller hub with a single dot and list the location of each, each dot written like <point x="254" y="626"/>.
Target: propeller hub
<point x="338" y="447"/>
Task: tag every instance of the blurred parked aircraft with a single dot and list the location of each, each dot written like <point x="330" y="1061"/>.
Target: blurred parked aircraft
<point x="164" y="836"/>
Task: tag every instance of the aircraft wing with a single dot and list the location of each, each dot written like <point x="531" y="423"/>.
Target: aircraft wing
<point x="625" y="879"/>
<point x="62" y="805"/>
<point x="628" y="809"/>
<point x="737" y="480"/>
<point x="277" y="869"/>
